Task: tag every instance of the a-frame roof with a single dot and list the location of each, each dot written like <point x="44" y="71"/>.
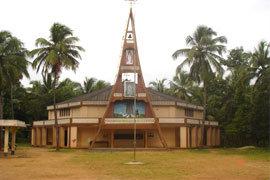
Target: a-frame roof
<point x="155" y="96"/>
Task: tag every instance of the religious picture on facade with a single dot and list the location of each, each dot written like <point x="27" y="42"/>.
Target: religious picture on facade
<point x="124" y="109"/>
<point x="129" y="56"/>
<point x="129" y="89"/>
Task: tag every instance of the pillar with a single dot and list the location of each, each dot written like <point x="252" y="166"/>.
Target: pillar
<point x="69" y="136"/>
<point x="214" y="136"/>
<point x="0" y="138"/>
<point x="218" y="136"/>
<point x="13" y="140"/>
<point x="183" y="137"/>
<point x="6" y="141"/>
<point x="62" y="136"/>
<point x="112" y="139"/>
<point x="196" y="137"/>
<point x="193" y="136"/>
<point x="38" y="136"/>
<point x="54" y="136"/>
<point x="211" y="136"/>
<point x="208" y="136"/>
<point x="73" y="136"/>
<point x="32" y="136"/>
<point x="200" y="136"/>
<point x="145" y="139"/>
<point x="44" y="136"/>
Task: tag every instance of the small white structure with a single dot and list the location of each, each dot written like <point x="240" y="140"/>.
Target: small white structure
<point x="10" y="124"/>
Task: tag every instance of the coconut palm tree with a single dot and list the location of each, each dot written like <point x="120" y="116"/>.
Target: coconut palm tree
<point x="180" y="85"/>
<point x="13" y="65"/>
<point x="261" y="62"/>
<point x="159" y="85"/>
<point x="55" y="54"/>
<point x="204" y="57"/>
<point x="100" y="84"/>
<point x="88" y="85"/>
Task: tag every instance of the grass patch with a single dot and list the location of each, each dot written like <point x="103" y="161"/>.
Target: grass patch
<point x="255" y="154"/>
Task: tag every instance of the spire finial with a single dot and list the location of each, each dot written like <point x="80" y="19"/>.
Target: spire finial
<point x="131" y="2"/>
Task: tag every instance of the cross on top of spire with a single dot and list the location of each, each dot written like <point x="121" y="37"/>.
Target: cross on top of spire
<point x="131" y="2"/>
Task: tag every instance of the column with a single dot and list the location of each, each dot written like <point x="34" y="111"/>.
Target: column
<point x="13" y="140"/>
<point x="145" y="139"/>
<point x="112" y="139"/>
<point x="208" y="136"/>
<point x="211" y="136"/>
<point x="61" y="136"/>
<point x="218" y="136"/>
<point x="0" y="138"/>
<point x="54" y="136"/>
<point x="73" y="136"/>
<point x="44" y="136"/>
<point x="38" y="137"/>
<point x="196" y="137"/>
<point x="32" y="136"/>
<point x="183" y="137"/>
<point x="214" y="136"/>
<point x="6" y="141"/>
<point x="69" y="136"/>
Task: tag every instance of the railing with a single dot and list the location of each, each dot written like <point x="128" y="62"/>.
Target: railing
<point x="163" y="120"/>
<point x="172" y="120"/>
<point x="85" y="120"/>
<point x="129" y="120"/>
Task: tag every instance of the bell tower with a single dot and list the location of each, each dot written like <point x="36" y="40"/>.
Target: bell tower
<point x="129" y="89"/>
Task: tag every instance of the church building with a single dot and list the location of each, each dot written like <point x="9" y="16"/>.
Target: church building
<point x="105" y="118"/>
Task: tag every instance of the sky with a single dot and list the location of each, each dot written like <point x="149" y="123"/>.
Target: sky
<point x="161" y="29"/>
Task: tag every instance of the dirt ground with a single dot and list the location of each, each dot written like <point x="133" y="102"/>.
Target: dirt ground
<point x="43" y="163"/>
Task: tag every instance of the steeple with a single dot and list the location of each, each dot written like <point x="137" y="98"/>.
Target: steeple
<point x="129" y="87"/>
<point x="129" y="73"/>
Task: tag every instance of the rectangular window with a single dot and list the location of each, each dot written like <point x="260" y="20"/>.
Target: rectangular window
<point x="189" y="112"/>
<point x="128" y="136"/>
<point x="64" y="112"/>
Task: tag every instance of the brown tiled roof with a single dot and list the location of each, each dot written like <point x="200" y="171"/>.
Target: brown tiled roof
<point x="103" y="95"/>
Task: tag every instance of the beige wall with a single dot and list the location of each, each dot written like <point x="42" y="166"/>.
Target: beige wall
<point x="165" y="111"/>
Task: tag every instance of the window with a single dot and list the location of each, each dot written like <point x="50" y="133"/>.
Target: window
<point x="189" y="112"/>
<point x="124" y="109"/>
<point x="64" y="112"/>
<point x="128" y="136"/>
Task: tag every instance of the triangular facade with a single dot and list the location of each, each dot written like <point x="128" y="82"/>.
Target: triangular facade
<point x="129" y="87"/>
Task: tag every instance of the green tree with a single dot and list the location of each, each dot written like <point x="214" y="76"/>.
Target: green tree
<point x="54" y="54"/>
<point x="13" y="63"/>
<point x="88" y="85"/>
<point x="203" y="57"/>
<point x="159" y="85"/>
<point x="100" y="84"/>
<point x="260" y="66"/>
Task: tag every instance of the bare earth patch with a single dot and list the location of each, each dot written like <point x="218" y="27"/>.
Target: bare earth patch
<point x="43" y="163"/>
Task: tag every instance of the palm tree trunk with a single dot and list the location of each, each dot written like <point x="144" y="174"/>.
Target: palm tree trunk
<point x="202" y="143"/>
<point x="1" y="117"/>
<point x="55" y="114"/>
